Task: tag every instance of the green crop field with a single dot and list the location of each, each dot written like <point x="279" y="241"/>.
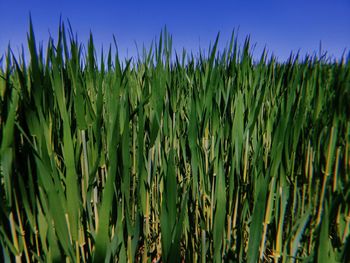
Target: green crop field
<point x="173" y="157"/>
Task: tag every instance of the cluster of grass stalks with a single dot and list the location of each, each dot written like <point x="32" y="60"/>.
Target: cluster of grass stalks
<point x="173" y="158"/>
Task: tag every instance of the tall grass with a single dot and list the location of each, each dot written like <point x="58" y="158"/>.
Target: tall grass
<point x="173" y="157"/>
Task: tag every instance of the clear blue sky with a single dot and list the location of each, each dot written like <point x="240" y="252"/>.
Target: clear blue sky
<point x="281" y="26"/>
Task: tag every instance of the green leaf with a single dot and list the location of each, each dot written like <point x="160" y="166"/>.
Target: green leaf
<point x="220" y="213"/>
<point x="256" y="227"/>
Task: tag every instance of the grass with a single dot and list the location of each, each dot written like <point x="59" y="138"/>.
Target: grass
<point x="206" y="158"/>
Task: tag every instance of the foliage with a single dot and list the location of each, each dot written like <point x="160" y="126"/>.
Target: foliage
<point x="173" y="157"/>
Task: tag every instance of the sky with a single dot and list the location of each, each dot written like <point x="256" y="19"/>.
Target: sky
<point x="280" y="26"/>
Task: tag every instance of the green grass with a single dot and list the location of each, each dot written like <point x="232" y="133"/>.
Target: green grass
<point x="173" y="157"/>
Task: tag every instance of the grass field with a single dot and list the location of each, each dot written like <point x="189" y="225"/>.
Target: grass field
<point x="173" y="157"/>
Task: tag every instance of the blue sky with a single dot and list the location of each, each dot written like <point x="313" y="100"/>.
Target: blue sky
<point x="281" y="26"/>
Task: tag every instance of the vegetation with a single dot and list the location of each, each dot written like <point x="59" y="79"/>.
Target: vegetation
<point x="173" y="157"/>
